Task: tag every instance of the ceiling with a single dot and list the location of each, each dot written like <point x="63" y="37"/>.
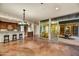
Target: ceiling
<point x="36" y="11"/>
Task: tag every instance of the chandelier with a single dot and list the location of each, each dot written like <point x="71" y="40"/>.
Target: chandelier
<point x="23" y="21"/>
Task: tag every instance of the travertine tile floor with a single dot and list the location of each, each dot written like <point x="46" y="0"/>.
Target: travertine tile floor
<point x="29" y="47"/>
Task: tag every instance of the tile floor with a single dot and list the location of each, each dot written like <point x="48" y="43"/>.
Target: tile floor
<point x="36" y="47"/>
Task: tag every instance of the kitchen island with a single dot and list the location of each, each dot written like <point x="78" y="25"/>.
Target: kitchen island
<point x="10" y="33"/>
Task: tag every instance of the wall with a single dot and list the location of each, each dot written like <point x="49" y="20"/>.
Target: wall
<point x="36" y="30"/>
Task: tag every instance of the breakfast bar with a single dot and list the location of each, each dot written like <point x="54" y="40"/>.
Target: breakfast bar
<point x="10" y="34"/>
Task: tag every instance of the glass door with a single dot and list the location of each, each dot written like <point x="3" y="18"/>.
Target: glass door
<point x="54" y="31"/>
<point x="44" y="29"/>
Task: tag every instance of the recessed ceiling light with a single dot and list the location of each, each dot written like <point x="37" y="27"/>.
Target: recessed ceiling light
<point x="56" y="8"/>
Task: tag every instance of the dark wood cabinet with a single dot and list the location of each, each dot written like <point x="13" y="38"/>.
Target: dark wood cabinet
<point x="4" y="25"/>
<point x="30" y="34"/>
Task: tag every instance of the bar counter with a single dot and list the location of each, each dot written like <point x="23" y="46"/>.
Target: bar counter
<point x="10" y="33"/>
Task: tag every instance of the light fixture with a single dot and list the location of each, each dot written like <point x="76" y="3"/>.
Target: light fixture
<point x="57" y="8"/>
<point x="54" y="22"/>
<point x="23" y="21"/>
<point x="24" y="14"/>
<point x="42" y="3"/>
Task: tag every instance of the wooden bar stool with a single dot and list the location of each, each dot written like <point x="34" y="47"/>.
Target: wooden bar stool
<point x="14" y="37"/>
<point x="6" y="38"/>
<point x="20" y="36"/>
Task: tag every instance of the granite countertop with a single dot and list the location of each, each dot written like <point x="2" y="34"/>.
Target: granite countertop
<point x="9" y="31"/>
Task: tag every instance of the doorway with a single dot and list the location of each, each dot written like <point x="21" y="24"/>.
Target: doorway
<point x="54" y="31"/>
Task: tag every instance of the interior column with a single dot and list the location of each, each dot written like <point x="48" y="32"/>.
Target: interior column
<point x="22" y="29"/>
<point x="49" y="29"/>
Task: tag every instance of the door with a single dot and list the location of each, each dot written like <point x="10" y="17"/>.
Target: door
<point x="54" y="31"/>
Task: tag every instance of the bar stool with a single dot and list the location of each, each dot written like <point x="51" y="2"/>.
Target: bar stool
<point x="14" y="37"/>
<point x="6" y="38"/>
<point x="20" y="36"/>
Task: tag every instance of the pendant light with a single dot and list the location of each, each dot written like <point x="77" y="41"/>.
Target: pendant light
<point x="23" y="21"/>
